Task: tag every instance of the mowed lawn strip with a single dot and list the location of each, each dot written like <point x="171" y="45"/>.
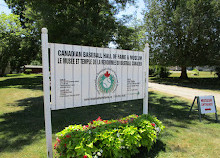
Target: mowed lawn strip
<point x="193" y="74"/>
<point x="204" y="81"/>
<point x="22" y="130"/>
<point x="185" y="136"/>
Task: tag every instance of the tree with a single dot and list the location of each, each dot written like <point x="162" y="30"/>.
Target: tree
<point x="17" y="46"/>
<point x="81" y="22"/>
<point x="183" y="32"/>
<point x="131" y="37"/>
<point x="10" y="36"/>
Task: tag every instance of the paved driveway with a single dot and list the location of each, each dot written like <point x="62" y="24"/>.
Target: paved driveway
<point x="187" y="93"/>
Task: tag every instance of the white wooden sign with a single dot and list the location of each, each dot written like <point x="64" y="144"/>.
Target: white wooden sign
<point x="82" y="76"/>
<point x="77" y="76"/>
<point x="207" y="104"/>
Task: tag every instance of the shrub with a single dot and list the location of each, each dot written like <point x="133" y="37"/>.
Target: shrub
<point x="195" y="72"/>
<point x="217" y="69"/>
<point x="162" y="72"/>
<point x="109" y="138"/>
<point x="28" y="71"/>
<point x="151" y="71"/>
<point x="159" y="71"/>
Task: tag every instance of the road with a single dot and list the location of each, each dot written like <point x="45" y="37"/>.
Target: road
<point x="187" y="93"/>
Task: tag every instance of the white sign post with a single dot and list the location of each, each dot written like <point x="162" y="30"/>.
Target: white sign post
<point x="82" y="76"/>
<point x="46" y="87"/>
<point x="206" y="104"/>
<point x="146" y="72"/>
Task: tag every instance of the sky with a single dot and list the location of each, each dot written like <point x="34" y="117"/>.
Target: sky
<point x="130" y="10"/>
<point x="4" y="7"/>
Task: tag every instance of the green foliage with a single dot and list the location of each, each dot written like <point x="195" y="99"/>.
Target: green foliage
<point x="183" y="32"/>
<point x="17" y="46"/>
<point x="217" y="70"/>
<point x="22" y="121"/>
<point x="36" y="62"/>
<point x="28" y="71"/>
<point x="196" y="72"/>
<point x="151" y="70"/>
<point x="131" y="38"/>
<point x="109" y="138"/>
<point x="10" y="37"/>
<point x="159" y="71"/>
<point x="81" y="22"/>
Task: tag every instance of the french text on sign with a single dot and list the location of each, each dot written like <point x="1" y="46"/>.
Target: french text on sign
<point x="83" y="75"/>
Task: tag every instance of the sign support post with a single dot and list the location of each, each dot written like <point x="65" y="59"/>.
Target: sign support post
<point x="216" y="116"/>
<point x="192" y="104"/>
<point x="46" y="87"/>
<point x="146" y="74"/>
<point x="199" y="109"/>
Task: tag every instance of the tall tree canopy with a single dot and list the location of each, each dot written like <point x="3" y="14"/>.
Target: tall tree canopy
<point x="132" y="37"/>
<point x="16" y="44"/>
<point x="184" y="32"/>
<point x="84" y="22"/>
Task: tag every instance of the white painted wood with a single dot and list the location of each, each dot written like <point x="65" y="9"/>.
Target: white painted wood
<point x="129" y="77"/>
<point x="119" y="75"/>
<point x="85" y="91"/>
<point x="109" y="66"/>
<point x="141" y="74"/>
<point x="135" y="88"/>
<point x="46" y="87"/>
<point x="146" y="72"/>
<point x="92" y="71"/>
<point x="99" y="68"/>
<point x="207" y="104"/>
<point x="59" y="77"/>
<point x="113" y="68"/>
<point x="52" y="75"/>
<point x="68" y="76"/>
<point x="85" y="79"/>
<point x="106" y="67"/>
<point x="124" y="76"/>
<point x="74" y="84"/>
<point x="77" y="78"/>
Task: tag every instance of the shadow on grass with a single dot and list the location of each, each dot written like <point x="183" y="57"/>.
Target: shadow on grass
<point x="22" y="128"/>
<point x="35" y="82"/>
<point x="198" y="83"/>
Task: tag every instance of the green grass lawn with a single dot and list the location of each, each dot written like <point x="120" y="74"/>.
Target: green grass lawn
<point x="204" y="81"/>
<point x="22" y="132"/>
<point x="192" y="74"/>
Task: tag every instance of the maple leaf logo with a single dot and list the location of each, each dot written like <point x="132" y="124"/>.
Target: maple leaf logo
<point x="107" y="74"/>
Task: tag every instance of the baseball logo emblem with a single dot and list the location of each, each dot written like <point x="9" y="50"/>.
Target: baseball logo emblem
<point x="106" y="81"/>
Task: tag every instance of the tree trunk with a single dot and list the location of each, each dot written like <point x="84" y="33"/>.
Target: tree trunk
<point x="183" y="73"/>
<point x="2" y="71"/>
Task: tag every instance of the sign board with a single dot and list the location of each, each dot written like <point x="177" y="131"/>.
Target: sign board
<point x="75" y="76"/>
<point x="206" y="104"/>
<point x="82" y="75"/>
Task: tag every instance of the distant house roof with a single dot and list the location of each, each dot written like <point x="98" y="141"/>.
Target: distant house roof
<point x="33" y="66"/>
